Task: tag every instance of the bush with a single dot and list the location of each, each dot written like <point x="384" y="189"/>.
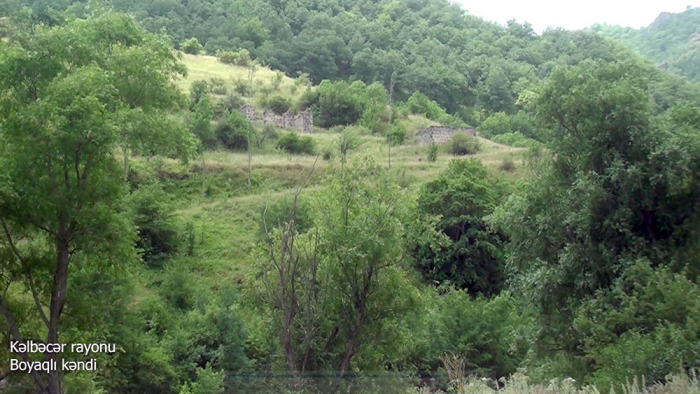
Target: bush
<point x="420" y="104"/>
<point x="292" y="143"/>
<point x="348" y="141"/>
<point x="397" y="136"/>
<point x="432" y="152"/>
<point x="463" y="144"/>
<point x="277" y="213"/>
<point x="233" y="132"/>
<point x="279" y="104"/>
<point x="243" y="58"/>
<point x="218" y="86"/>
<point x="327" y="154"/>
<point x="158" y="235"/>
<point x="227" y="57"/>
<point x="198" y="90"/>
<point x="471" y="254"/>
<point x="277" y="79"/>
<point x="269" y="133"/>
<point x="230" y="103"/>
<point x="241" y="86"/>
<point x="515" y="139"/>
<point x="337" y="104"/>
<point x="191" y="46"/>
<point x="507" y="165"/>
<point x="496" y="124"/>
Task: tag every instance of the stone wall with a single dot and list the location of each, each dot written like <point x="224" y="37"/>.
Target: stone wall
<point x="302" y="122"/>
<point x="441" y="134"/>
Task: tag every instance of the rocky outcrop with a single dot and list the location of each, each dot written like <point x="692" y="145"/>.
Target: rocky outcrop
<point x="441" y="134"/>
<point x="302" y="122"/>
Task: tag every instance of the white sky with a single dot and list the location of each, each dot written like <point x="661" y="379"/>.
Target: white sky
<point x="573" y="15"/>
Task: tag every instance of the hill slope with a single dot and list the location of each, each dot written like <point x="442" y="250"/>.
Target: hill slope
<point x="672" y="41"/>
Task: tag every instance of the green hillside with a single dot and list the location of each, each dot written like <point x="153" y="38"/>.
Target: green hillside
<point x="672" y="41"/>
<point x="544" y="240"/>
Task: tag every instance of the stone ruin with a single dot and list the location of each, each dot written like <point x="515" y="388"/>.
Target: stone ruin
<point x="441" y="134"/>
<point x="302" y="122"/>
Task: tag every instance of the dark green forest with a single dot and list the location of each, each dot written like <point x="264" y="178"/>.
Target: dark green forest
<point x="556" y="250"/>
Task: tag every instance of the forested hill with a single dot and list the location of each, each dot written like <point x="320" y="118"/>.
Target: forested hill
<point x="672" y="41"/>
<point x="469" y="66"/>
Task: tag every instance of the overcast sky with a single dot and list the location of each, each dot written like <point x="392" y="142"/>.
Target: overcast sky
<point x="574" y="14"/>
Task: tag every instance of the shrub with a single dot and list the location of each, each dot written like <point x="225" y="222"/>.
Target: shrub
<point x="516" y="139"/>
<point x="241" y="86"/>
<point x="191" y="46"/>
<point x="277" y="213"/>
<point x="292" y="143"/>
<point x="279" y="104"/>
<point x="496" y="124"/>
<point x="227" y="57"/>
<point x="463" y="144"/>
<point x="507" y="164"/>
<point x="233" y="132"/>
<point x="420" y="104"/>
<point x="470" y="256"/>
<point x="348" y="141"/>
<point x="338" y="104"/>
<point x="269" y="133"/>
<point x="277" y="79"/>
<point x="327" y="154"/>
<point x="397" y="135"/>
<point x="158" y="235"/>
<point x="230" y="103"/>
<point x="243" y="58"/>
<point x="198" y="90"/>
<point x="432" y="152"/>
<point x="218" y="86"/>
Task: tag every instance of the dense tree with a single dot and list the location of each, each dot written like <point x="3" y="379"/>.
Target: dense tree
<point x="671" y="41"/>
<point x="470" y="257"/>
<point x="622" y="185"/>
<point x="73" y="101"/>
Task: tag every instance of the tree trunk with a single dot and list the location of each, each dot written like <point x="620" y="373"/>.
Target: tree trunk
<point x="58" y="301"/>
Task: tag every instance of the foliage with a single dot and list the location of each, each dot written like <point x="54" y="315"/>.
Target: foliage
<point x="158" y="235"/>
<point x="397" y="135"/>
<point x="432" y="152"/>
<point x="200" y="122"/>
<point x="279" y="104"/>
<point x="494" y="125"/>
<point x="191" y="46"/>
<point x="97" y="85"/>
<point x="348" y="141"/>
<point x="337" y="104"/>
<point x="208" y="382"/>
<point x="462" y="144"/>
<point x="327" y="294"/>
<point x="235" y="131"/>
<point x="420" y="104"/>
<point x="292" y="143"/>
<point x="470" y="256"/>
<point x="620" y="180"/>
<point x="670" y="41"/>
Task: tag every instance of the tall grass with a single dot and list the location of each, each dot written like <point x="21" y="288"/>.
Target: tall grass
<point x="459" y="382"/>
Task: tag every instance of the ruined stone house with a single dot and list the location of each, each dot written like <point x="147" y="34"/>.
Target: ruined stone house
<point x="441" y="134"/>
<point x="302" y="122"/>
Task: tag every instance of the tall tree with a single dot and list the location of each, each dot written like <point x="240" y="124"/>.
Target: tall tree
<point x="74" y="94"/>
<point x="622" y="186"/>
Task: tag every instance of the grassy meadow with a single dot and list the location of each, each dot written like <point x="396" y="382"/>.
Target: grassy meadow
<point x="220" y="206"/>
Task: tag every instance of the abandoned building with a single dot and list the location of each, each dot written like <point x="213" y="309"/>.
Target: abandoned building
<point x="302" y="122"/>
<point x="441" y="134"/>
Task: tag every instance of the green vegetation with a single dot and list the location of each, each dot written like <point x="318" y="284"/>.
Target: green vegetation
<point x="672" y="41"/>
<point x="557" y="251"/>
